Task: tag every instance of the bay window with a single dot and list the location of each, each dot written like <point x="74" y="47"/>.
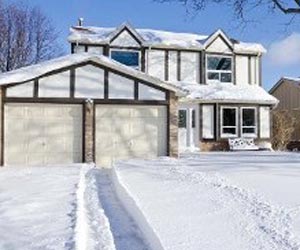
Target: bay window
<point x="219" y="68"/>
<point x="130" y="58"/>
<point x="229" y="122"/>
<point x="248" y="122"/>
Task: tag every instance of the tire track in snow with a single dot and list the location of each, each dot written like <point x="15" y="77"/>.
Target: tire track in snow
<point x="271" y="223"/>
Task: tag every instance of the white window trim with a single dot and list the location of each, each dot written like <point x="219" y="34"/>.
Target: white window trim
<point x="224" y="135"/>
<point x="128" y="50"/>
<point x="218" y="71"/>
<point x="250" y="135"/>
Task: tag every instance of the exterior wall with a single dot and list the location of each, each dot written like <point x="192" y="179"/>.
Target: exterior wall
<point x="217" y="143"/>
<point x="289" y="96"/>
<point x="173" y="125"/>
<point x="89" y="140"/>
<point x="1" y="125"/>
<point x="247" y="70"/>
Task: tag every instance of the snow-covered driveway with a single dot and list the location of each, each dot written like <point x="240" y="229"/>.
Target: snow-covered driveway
<point x="234" y="201"/>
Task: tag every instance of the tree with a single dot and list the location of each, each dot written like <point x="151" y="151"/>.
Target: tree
<point x="241" y="6"/>
<point x="26" y="37"/>
<point x="283" y="128"/>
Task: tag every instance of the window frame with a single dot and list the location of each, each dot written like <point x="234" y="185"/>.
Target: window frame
<point x="127" y="50"/>
<point x="219" y="72"/>
<point x="249" y="135"/>
<point x="226" y="135"/>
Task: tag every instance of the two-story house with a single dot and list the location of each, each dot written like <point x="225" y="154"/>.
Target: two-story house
<point x="126" y="92"/>
<point x="222" y="76"/>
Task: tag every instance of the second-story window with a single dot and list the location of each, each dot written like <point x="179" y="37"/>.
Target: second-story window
<point x="130" y="58"/>
<point x="219" y="68"/>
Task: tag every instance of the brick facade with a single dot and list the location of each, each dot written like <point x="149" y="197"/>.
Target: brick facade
<point x="173" y="125"/>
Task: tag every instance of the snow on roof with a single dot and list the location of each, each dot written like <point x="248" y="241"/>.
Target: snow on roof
<point x="227" y="92"/>
<point x="157" y="38"/>
<point x="31" y="72"/>
<point x="295" y="79"/>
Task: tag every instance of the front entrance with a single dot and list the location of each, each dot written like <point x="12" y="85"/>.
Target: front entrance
<point x="187" y="128"/>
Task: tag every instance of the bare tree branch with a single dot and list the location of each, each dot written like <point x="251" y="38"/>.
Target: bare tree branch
<point x="26" y="37"/>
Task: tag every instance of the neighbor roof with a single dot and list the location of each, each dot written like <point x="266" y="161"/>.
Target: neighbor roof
<point x="157" y="38"/>
<point x="227" y="93"/>
<point x="292" y="80"/>
<point x="29" y="73"/>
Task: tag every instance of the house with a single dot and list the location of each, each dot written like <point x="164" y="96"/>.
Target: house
<point x="126" y="92"/>
<point x="287" y="91"/>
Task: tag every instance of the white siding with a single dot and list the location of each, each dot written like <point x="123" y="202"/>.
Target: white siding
<point x="22" y="90"/>
<point x="242" y="70"/>
<point x="89" y="82"/>
<point x="173" y="66"/>
<point x="190" y="67"/>
<point x="148" y="93"/>
<point x="120" y="87"/>
<point x="125" y="39"/>
<point x="156" y="63"/>
<point x="79" y="48"/>
<point x="219" y="46"/>
<point x="95" y="49"/>
<point x="57" y="85"/>
<point x="264" y="117"/>
<point x="208" y="122"/>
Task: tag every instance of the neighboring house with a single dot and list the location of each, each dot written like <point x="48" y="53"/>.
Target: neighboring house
<point x="287" y="91"/>
<point x="137" y="93"/>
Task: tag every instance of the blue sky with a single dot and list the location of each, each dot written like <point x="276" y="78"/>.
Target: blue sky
<point x="282" y="42"/>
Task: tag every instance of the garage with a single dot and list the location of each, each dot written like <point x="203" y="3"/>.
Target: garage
<point x="124" y="132"/>
<point x="85" y="108"/>
<point x="39" y="134"/>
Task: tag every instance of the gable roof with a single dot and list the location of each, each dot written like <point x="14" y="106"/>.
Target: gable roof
<point x="292" y="80"/>
<point x="125" y="26"/>
<point x="32" y="72"/>
<point x="215" y="35"/>
<point x="158" y="38"/>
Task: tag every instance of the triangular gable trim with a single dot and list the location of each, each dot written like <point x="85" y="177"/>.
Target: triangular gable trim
<point x="216" y="35"/>
<point x="126" y="27"/>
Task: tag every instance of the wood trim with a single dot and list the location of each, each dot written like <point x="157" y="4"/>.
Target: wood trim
<point x="143" y="60"/>
<point x="106" y="84"/>
<point x="222" y="38"/>
<point x="36" y="88"/>
<point x="72" y="83"/>
<point x="136" y="90"/>
<point x="203" y="67"/>
<point x="249" y="71"/>
<point x="94" y="133"/>
<point x="234" y="70"/>
<point x="129" y="31"/>
<point x="125" y="48"/>
<point x="260" y="71"/>
<point x="178" y="66"/>
<point x="168" y="127"/>
<point x="166" y="65"/>
<point x="106" y="50"/>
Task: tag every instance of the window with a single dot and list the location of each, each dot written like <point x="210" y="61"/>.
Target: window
<point x="127" y="57"/>
<point x="182" y="118"/>
<point x="219" y="68"/>
<point x="248" y="122"/>
<point x="228" y="122"/>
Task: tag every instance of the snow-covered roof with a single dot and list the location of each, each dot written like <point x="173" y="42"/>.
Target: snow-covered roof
<point x="31" y="72"/>
<point x="157" y="38"/>
<point x="226" y="92"/>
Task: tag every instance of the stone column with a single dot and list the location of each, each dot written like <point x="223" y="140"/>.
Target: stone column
<point x="173" y="125"/>
<point x="89" y="113"/>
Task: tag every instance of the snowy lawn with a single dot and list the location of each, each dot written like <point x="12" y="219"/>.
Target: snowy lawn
<point x="233" y="201"/>
<point x="63" y="208"/>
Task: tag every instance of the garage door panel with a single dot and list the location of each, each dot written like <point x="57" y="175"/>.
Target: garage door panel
<point x="45" y="134"/>
<point x="124" y="132"/>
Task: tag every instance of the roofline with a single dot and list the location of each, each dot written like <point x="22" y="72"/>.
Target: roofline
<point x="279" y="82"/>
<point x="212" y="101"/>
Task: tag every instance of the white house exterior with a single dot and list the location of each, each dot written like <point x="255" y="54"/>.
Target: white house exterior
<point x="221" y="75"/>
<point x="126" y="93"/>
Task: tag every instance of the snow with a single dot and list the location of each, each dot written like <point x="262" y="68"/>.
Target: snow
<point x="226" y="92"/>
<point x="64" y="207"/>
<point x="218" y="200"/>
<point x="155" y="38"/>
<point x="38" y="70"/>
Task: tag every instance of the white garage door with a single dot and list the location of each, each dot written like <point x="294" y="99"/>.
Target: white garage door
<point x="38" y="134"/>
<point x="124" y="132"/>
